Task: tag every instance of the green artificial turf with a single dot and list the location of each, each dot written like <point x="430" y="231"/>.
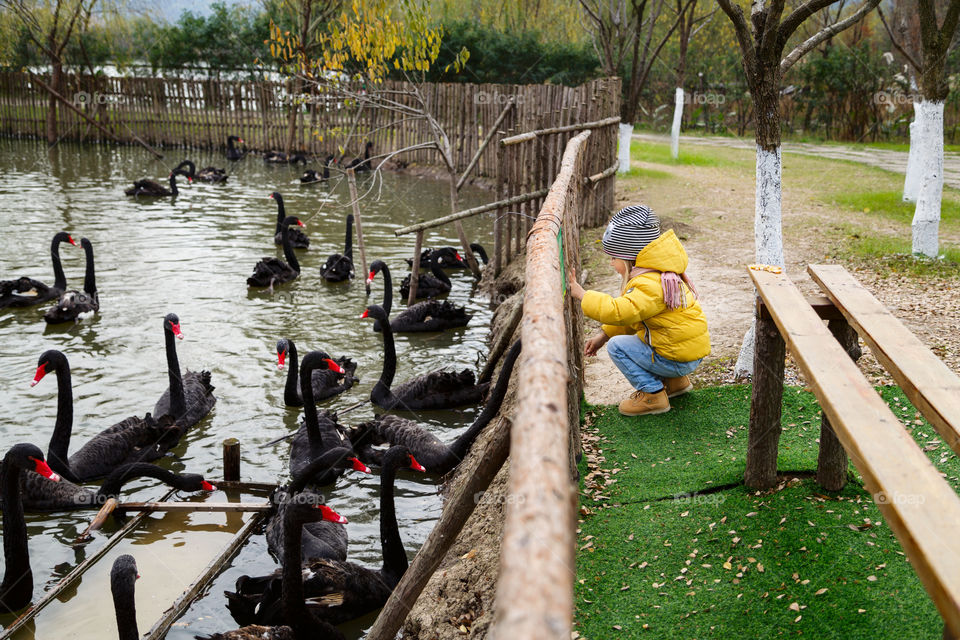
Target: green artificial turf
<point x="733" y="563"/>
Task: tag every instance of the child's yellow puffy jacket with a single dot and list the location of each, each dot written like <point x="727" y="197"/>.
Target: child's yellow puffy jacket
<point x="676" y="334"/>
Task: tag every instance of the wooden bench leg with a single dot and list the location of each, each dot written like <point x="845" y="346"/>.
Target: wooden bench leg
<point x="832" y="460"/>
<point x="765" y="406"/>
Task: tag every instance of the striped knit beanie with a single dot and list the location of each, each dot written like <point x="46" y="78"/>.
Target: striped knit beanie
<point x="629" y="231"/>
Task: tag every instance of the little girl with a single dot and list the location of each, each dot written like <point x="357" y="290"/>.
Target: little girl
<point x="656" y="328"/>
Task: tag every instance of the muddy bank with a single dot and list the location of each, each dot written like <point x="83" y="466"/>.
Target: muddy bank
<point x="458" y="600"/>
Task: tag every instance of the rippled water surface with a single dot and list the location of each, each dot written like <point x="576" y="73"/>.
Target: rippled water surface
<point x="191" y="255"/>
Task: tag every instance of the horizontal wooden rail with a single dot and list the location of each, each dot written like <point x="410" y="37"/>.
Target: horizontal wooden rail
<point x="535" y="589"/>
<point x="609" y="172"/>
<point x="466" y="213"/>
<point x="530" y="135"/>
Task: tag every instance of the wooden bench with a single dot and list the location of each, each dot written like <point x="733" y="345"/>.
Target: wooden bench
<point x="922" y="510"/>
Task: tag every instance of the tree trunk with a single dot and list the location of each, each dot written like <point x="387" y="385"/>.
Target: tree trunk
<point x="675" y="129"/>
<point x="56" y="79"/>
<point x="832" y="459"/>
<point x="926" y="219"/>
<point x="623" y="153"/>
<point x="911" y="182"/>
<point x="294" y="105"/>
<point x="765" y="407"/>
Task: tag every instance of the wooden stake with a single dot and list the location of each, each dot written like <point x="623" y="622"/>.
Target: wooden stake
<point x="355" y="201"/>
<point x="415" y="269"/>
<point x="231" y="460"/>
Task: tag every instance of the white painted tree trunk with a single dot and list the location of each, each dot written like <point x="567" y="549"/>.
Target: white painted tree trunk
<point x="767" y="234"/>
<point x="677" y="118"/>
<point x="926" y="219"/>
<point x="623" y="152"/>
<point x="911" y="183"/>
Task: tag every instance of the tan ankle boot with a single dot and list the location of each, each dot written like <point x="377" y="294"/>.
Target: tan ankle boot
<point x="677" y="386"/>
<point x="640" y="403"/>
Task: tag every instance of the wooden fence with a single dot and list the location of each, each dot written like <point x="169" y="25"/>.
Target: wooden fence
<point x="181" y="112"/>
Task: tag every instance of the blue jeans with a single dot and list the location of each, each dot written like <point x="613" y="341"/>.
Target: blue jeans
<point x="633" y="357"/>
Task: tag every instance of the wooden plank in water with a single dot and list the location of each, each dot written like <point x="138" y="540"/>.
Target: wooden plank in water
<point x="203" y="507"/>
<point x="160" y="628"/>
<point x="68" y="580"/>
<point x="929" y="383"/>
<point x="916" y="501"/>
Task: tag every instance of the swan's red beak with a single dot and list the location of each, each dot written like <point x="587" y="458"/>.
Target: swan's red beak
<point x="331" y="515"/>
<point x="175" y="328"/>
<point x="44" y="469"/>
<point x="457" y="253"/>
<point x="41" y="371"/>
<point x="359" y="466"/>
<point x="333" y="366"/>
<point x="270" y="196"/>
<point x="206" y="486"/>
<point x="240" y="141"/>
<point x="300" y="222"/>
<point x="281" y="359"/>
<point x="72" y="241"/>
<point x="365" y="314"/>
<point x="373" y="274"/>
<point x="416" y="466"/>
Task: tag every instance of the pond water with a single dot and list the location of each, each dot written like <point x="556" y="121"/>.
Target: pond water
<point x="191" y="255"/>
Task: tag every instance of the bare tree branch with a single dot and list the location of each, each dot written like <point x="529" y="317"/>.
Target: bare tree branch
<point x="742" y="29"/>
<point x="793" y="21"/>
<point x="897" y="45"/>
<point x="826" y="33"/>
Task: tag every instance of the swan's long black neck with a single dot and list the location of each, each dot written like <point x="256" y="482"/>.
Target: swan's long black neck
<point x="310" y="417"/>
<point x="281" y="213"/>
<point x="173" y="184"/>
<point x="348" y="242"/>
<point x="16" y="590"/>
<point x="381" y="390"/>
<point x="59" y="278"/>
<point x="59" y="447"/>
<point x="178" y="405"/>
<point x="89" y="278"/>
<point x="288" y="250"/>
<point x="387" y="290"/>
<point x="438" y="272"/>
<point x="319" y="466"/>
<point x="291" y="395"/>
<point x="394" y="557"/>
<point x="123" y="474"/>
<point x="460" y="446"/>
<point x="124" y="602"/>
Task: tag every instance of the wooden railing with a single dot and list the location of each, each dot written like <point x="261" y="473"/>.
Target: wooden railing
<point x="535" y="588"/>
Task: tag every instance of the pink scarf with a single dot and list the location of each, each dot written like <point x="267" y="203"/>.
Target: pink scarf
<point x="673" y="295"/>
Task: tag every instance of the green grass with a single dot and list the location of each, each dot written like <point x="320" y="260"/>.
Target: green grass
<point x="643" y="151"/>
<point x="892" y="255"/>
<point x="641" y="172"/>
<point x="647" y="559"/>
<point x="890" y="205"/>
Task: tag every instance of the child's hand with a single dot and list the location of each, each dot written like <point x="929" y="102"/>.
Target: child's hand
<point x="592" y="345"/>
<point x="573" y="286"/>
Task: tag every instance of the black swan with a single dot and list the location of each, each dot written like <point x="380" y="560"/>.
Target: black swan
<point x="435" y="390"/>
<point x="134" y="439"/>
<point x="450" y="258"/>
<point x="155" y="189"/>
<point x="327" y="539"/>
<point x="298" y="239"/>
<point x="272" y="270"/>
<point x="310" y="176"/>
<point x="232" y="152"/>
<point x="347" y="590"/>
<point x="284" y="590"/>
<point x="278" y="157"/>
<point x="428" y="286"/>
<point x="429" y="315"/>
<point x="326" y="382"/>
<point x="16" y="590"/>
<point x="25" y="292"/>
<point x="340" y="267"/>
<point x="123" y="579"/>
<point x="426" y="447"/>
<point x="189" y="398"/>
<point x="74" y="304"/>
<point x="207" y="174"/>
<point x="319" y="432"/>
<point x="361" y="165"/>
<point x="41" y="495"/>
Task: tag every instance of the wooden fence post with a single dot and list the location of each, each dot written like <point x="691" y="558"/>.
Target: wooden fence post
<point x="765" y="405"/>
<point x="355" y="201"/>
<point x="231" y="460"/>
<point x="415" y="269"/>
<point x="832" y="459"/>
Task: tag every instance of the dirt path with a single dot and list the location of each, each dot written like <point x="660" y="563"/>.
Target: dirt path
<point x="712" y="209"/>
<point x="886" y="159"/>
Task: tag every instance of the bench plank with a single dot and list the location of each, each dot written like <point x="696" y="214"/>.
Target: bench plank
<point x="929" y="384"/>
<point x="919" y="506"/>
